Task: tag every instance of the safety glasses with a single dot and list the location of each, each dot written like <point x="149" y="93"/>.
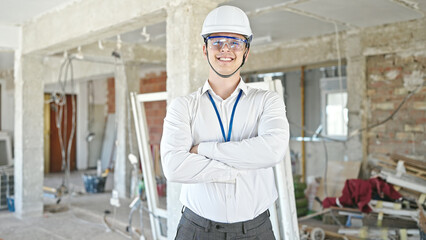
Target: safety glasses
<point x="233" y="43"/>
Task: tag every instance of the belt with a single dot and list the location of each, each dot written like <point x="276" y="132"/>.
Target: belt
<point x="225" y="227"/>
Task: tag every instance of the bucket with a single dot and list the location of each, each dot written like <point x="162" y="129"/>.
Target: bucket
<point x="93" y="183"/>
<point x="11" y="203"/>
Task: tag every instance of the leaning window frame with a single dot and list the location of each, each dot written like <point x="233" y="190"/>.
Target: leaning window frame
<point x="331" y="85"/>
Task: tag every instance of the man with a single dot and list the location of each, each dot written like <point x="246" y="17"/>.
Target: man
<point x="222" y="141"/>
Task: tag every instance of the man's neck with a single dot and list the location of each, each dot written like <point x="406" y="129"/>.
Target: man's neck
<point x="224" y="87"/>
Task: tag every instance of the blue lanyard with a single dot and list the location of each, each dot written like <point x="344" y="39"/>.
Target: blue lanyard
<point x="232" y="116"/>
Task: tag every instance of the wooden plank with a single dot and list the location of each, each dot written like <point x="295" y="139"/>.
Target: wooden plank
<point x="374" y="233"/>
<point x="416" y="184"/>
<point x="407" y="165"/>
<point x="314" y="215"/>
<point x="406" y="213"/>
<point x="410" y="161"/>
<point x="410" y="171"/>
<point x="331" y="234"/>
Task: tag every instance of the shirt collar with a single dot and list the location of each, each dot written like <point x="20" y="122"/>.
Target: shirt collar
<point x="241" y="85"/>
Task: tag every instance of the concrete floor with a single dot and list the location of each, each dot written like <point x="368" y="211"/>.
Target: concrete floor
<point x="78" y="216"/>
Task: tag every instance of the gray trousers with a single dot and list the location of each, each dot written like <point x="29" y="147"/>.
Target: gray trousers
<point x="192" y="226"/>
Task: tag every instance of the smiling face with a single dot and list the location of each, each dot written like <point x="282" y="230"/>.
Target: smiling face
<point x="225" y="56"/>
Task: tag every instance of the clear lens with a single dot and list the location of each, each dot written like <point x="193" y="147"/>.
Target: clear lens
<point x="233" y="43"/>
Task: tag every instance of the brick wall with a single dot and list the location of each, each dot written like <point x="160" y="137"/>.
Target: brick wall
<point x="111" y="95"/>
<point x="155" y="111"/>
<point x="388" y="82"/>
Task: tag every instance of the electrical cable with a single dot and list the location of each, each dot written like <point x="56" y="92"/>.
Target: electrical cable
<point x="319" y="135"/>
<point x="61" y="114"/>
<point x="390" y="117"/>
<point x="339" y="73"/>
<point x="66" y="143"/>
<point x="325" y="183"/>
<point x="358" y="131"/>
<point x="73" y="124"/>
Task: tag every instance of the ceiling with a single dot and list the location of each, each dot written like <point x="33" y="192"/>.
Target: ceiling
<point x="271" y="20"/>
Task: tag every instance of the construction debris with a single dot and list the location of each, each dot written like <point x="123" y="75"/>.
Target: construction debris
<point x="389" y="205"/>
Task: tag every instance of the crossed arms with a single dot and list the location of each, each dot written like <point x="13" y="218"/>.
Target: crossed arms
<point x="221" y="161"/>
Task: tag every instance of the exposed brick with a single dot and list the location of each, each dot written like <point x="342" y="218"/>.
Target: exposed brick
<point x="378" y="149"/>
<point x="383" y="106"/>
<point x="380" y="115"/>
<point x="404" y="61"/>
<point x="384" y="91"/>
<point x="371" y="92"/>
<point x="393" y="74"/>
<point x="155" y="111"/>
<point x="150" y="75"/>
<point x="421" y="120"/>
<point x="386" y="98"/>
<point x="377" y="84"/>
<point x="380" y="128"/>
<point x="414" y="128"/>
<point x="404" y="136"/>
<point x="401" y="91"/>
<point x="394" y="126"/>
<point x="419" y="105"/>
<point x="404" y="133"/>
<point x="419" y="97"/>
<point x="376" y="77"/>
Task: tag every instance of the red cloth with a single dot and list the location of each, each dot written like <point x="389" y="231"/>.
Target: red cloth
<point x="358" y="191"/>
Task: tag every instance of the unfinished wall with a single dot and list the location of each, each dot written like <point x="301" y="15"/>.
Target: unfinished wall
<point x="155" y="111"/>
<point x="316" y="153"/>
<point x="7" y="101"/>
<point x="99" y="120"/>
<point x="390" y="78"/>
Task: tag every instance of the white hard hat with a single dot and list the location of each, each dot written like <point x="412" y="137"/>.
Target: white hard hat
<point x="227" y="19"/>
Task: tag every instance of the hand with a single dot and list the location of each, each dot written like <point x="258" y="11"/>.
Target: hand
<point x="194" y="149"/>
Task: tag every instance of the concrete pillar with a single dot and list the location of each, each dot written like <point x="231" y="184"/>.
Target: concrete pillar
<point x="82" y="129"/>
<point x="356" y="87"/>
<point x="126" y="76"/>
<point x="29" y="157"/>
<point x="120" y="165"/>
<point x="133" y="80"/>
<point x="187" y="69"/>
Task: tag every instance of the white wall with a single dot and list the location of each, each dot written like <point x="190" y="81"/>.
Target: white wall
<point x="7" y="106"/>
<point x="315" y="156"/>
<point x="99" y="115"/>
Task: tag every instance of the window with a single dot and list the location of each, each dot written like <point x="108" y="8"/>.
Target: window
<point x="334" y="98"/>
<point x="325" y="100"/>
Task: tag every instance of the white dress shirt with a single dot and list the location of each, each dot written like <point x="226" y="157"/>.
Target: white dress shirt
<point x="226" y="181"/>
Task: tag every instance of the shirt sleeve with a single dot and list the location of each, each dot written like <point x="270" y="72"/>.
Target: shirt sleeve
<point x="179" y="165"/>
<point x="263" y="151"/>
